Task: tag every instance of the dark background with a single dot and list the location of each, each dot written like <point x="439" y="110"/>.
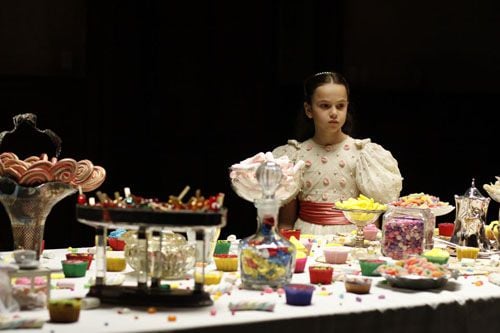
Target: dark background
<point x="165" y="94"/>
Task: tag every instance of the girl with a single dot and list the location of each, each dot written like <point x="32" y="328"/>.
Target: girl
<point x="337" y="166"/>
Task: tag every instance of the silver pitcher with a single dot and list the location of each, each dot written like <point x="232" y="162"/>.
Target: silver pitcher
<point x="471" y="209"/>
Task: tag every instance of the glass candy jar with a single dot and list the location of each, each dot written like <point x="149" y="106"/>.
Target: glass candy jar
<point x="267" y="259"/>
<point x="403" y="232"/>
<point x="171" y="260"/>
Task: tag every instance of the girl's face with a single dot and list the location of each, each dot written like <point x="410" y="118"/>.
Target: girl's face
<point x="328" y="108"/>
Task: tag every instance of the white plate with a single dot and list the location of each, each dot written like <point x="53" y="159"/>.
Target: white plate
<point x="442" y="210"/>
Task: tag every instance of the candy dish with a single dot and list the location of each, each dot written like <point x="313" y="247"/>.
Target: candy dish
<point x="29" y="264"/>
<point x="415" y="282"/>
<point x="441" y="210"/>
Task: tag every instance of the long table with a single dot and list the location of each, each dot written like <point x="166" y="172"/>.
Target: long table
<point x="467" y="304"/>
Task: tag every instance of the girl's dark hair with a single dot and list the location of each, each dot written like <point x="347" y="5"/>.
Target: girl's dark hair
<point x="305" y="127"/>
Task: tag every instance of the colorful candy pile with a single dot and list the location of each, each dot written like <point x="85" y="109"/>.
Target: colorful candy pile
<point x="415" y="266"/>
<point x="419" y="200"/>
<point x="361" y="203"/>
<point x="36" y="170"/>
<point x="403" y="237"/>
<point x="195" y="203"/>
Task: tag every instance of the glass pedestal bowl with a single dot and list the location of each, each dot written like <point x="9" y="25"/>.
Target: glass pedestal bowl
<point x="361" y="218"/>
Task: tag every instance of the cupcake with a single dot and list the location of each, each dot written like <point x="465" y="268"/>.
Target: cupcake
<point x="299" y="294"/>
<point x="226" y="262"/>
<point x="357" y="284"/>
<point x="64" y="310"/>
<point x="336" y="254"/>
<point x="320" y="274"/>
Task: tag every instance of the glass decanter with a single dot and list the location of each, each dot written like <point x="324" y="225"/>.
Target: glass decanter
<point x="267" y="259"/>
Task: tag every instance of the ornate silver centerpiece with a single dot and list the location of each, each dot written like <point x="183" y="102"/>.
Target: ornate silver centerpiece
<point x="472" y="208"/>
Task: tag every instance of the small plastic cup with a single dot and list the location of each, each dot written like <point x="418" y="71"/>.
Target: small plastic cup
<point x="300" y="265"/>
<point x="320" y="274"/>
<point x="83" y="256"/>
<point x="64" y="310"/>
<point x="369" y="266"/>
<point x="370" y="232"/>
<point x="357" y="284"/>
<point x="222" y="247"/>
<point x="299" y="294"/>
<point x="74" y="268"/>
<point x="226" y="262"/>
<point x="336" y="254"/>
<point x="287" y="233"/>
<point x="446" y="229"/>
<point x="116" y="244"/>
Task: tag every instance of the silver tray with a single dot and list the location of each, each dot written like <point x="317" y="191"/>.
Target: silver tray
<point x="415" y="282"/>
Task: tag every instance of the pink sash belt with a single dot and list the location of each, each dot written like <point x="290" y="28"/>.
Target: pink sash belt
<point x="321" y="213"/>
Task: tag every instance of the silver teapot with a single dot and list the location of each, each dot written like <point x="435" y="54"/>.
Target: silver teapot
<point x="471" y="210"/>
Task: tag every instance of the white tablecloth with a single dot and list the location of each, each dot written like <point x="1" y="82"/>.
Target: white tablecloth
<point x="463" y="305"/>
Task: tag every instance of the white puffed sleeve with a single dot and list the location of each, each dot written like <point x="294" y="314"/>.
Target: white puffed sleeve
<point x="377" y="172"/>
<point x="290" y="149"/>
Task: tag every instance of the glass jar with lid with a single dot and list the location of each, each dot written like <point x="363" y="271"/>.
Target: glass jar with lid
<point x="403" y="232"/>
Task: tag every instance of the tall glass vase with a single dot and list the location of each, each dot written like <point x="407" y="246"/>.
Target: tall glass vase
<point x="28" y="208"/>
<point x="267" y="259"/>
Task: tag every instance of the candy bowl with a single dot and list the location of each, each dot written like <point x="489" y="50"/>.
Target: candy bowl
<point x="415" y="281"/>
<point x="361" y="218"/>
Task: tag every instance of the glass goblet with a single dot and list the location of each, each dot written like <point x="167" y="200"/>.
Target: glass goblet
<point x="361" y="218"/>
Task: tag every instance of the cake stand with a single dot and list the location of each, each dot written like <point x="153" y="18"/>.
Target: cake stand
<point x="148" y="291"/>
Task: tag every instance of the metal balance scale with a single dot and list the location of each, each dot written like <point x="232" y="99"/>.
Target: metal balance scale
<point x="148" y="291"/>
